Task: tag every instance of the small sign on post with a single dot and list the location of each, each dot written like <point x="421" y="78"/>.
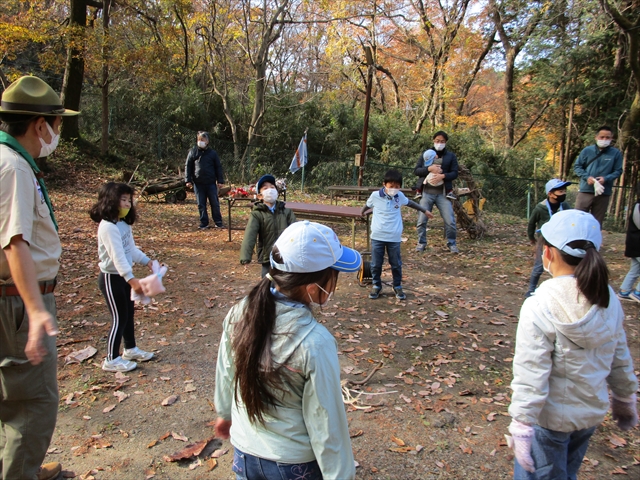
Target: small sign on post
<point x="359" y="160"/>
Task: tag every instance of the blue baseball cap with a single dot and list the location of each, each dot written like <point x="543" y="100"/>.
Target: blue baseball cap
<point x="265" y="178"/>
<point x="307" y="247"/>
<point x="570" y="225"/>
<point x="555" y="184"/>
<point x="429" y="156"/>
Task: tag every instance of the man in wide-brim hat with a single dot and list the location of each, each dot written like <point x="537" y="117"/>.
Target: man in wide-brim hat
<point x="30" y="117"/>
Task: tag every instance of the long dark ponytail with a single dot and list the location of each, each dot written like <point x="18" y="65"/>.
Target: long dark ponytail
<point x="591" y="273"/>
<point x="258" y="377"/>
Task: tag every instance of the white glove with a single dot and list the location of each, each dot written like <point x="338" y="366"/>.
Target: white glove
<point x="598" y="188"/>
<point x="520" y="442"/>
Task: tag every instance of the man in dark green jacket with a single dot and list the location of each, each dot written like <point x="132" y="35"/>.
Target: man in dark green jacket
<point x="556" y="194"/>
<point x="267" y="221"/>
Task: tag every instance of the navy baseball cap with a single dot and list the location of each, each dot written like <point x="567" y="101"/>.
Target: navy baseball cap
<point x="265" y="178"/>
<point x="555" y="184"/>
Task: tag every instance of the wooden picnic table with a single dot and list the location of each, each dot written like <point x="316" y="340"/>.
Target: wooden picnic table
<point x="317" y="212"/>
<point x="322" y="213"/>
<point x="356" y="191"/>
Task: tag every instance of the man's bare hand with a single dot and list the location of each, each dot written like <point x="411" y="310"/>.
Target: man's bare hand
<point x="591" y="180"/>
<point x="435" y="169"/>
<point x="41" y="324"/>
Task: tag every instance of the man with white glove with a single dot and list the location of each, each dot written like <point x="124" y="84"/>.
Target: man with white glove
<point x="597" y="166"/>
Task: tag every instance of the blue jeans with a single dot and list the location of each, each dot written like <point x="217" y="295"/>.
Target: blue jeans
<point x="556" y="455"/>
<point x="248" y="467"/>
<point x="536" y="273"/>
<point x="377" y="258"/>
<point x="446" y="212"/>
<point x="203" y="192"/>
<point x="632" y="276"/>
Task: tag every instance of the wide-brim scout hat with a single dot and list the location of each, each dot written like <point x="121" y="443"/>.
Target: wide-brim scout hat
<point x="30" y="95"/>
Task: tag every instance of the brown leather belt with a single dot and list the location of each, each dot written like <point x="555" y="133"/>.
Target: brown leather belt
<point x="46" y="286"/>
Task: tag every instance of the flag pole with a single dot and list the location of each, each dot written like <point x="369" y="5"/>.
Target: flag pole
<point x="305" y="164"/>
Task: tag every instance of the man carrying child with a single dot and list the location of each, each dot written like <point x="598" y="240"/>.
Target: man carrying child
<point x="437" y="190"/>
<point x="386" y="230"/>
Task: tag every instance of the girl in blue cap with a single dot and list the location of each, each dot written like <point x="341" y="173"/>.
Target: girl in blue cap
<point x="570" y="346"/>
<point x="278" y="392"/>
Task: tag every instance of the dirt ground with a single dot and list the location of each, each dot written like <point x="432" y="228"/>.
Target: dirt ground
<point x="437" y="407"/>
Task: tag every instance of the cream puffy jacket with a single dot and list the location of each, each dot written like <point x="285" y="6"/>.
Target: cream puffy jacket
<point x="567" y="352"/>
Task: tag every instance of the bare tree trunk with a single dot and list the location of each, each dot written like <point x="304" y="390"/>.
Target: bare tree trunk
<point x="74" y="69"/>
<point x="104" y="143"/>
<point x="509" y="101"/>
<point x="491" y="39"/>
<point x="567" y="147"/>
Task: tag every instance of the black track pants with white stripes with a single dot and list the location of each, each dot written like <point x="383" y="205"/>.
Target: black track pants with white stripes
<point x="117" y="293"/>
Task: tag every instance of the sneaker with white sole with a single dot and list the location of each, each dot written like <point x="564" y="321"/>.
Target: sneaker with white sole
<point x="118" y="364"/>
<point x="452" y="196"/>
<point x="453" y="249"/>
<point x="400" y="295"/>
<point x="137" y="354"/>
<point x="375" y="292"/>
<point x="635" y="295"/>
<point x="624" y="295"/>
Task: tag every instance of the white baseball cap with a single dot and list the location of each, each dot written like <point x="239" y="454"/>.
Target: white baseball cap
<point x="307" y="247"/>
<point x="570" y="225"/>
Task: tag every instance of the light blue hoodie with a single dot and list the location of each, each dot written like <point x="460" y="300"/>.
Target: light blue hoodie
<point x="310" y="423"/>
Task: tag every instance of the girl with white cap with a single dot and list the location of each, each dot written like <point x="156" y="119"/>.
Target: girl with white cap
<point x="570" y="345"/>
<point x="278" y="392"/>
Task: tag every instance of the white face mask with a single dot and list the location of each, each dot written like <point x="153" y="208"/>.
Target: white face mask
<point x="47" y="149"/>
<point x="603" y="143"/>
<point x="392" y="192"/>
<point x="314" y="304"/>
<point x="439" y="146"/>
<point x="202" y="144"/>
<point x="269" y="195"/>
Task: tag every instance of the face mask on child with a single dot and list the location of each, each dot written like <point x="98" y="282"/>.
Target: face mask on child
<point x="392" y="192"/>
<point x="269" y="195"/>
<point x="315" y="304"/>
<point x="123" y="212"/>
<point x="202" y="144"/>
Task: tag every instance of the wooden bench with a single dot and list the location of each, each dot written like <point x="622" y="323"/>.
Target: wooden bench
<point x="353" y="191"/>
<point x="316" y="212"/>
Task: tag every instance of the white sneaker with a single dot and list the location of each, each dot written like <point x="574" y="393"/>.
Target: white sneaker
<point x="136" y="354"/>
<point x="118" y="364"/>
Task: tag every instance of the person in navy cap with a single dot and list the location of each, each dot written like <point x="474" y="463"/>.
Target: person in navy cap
<point x="555" y="202"/>
<point x="269" y="217"/>
<point x="278" y="394"/>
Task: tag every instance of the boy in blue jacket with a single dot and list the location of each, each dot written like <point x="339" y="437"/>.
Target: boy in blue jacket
<point x="386" y="230"/>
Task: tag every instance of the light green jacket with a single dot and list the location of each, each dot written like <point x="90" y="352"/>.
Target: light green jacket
<point x="567" y="353"/>
<point x="310" y="423"/>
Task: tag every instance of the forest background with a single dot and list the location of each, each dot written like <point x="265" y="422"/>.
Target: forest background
<point x="521" y="86"/>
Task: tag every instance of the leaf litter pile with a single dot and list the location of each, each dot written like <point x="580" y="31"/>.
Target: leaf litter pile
<point x="425" y="381"/>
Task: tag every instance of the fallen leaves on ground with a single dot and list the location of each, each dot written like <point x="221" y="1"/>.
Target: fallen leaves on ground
<point x="191" y="450"/>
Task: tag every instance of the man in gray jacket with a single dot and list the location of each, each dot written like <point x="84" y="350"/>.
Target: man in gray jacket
<point x="597" y="166"/>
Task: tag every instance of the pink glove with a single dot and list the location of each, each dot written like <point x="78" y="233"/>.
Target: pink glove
<point x="520" y="442"/>
<point x="624" y="411"/>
